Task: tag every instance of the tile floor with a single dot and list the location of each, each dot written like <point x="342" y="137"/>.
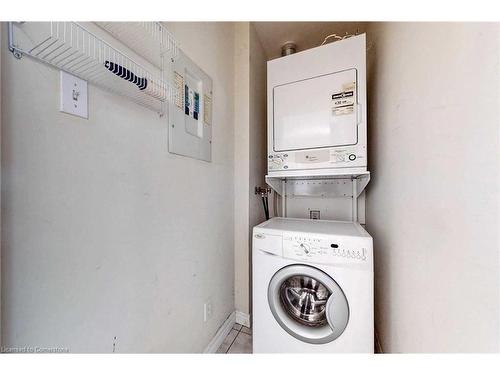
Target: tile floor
<point x="238" y="340"/>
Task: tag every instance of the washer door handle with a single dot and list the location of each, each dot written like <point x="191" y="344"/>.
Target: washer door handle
<point x="329" y="313"/>
<point x="337" y="313"/>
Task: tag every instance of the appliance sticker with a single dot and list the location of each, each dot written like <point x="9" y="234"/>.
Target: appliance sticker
<point x="343" y="101"/>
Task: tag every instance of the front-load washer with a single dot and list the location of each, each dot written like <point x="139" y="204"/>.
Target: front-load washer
<point x="312" y="287"/>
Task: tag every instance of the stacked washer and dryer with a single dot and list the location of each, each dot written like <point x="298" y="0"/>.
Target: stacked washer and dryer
<point x="313" y="278"/>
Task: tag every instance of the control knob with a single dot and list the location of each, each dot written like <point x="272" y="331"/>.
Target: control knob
<point x="304" y="248"/>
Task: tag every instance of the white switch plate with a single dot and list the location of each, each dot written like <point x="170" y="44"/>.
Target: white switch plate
<point x="74" y="95"/>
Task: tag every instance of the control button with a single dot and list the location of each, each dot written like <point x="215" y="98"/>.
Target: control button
<point x="285" y="166"/>
<point x="270" y="156"/>
<point x="334" y="245"/>
<point x="285" y="155"/>
<point x="352" y="157"/>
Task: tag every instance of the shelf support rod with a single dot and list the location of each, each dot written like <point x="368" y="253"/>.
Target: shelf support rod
<point x="283" y="198"/>
<point x="10" y="35"/>
<point x="354" y="199"/>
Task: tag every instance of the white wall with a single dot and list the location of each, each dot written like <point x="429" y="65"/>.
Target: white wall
<point x="106" y="234"/>
<point x="433" y="202"/>
<point x="250" y="153"/>
<point x="258" y="135"/>
<point x="241" y="166"/>
<point x="1" y="49"/>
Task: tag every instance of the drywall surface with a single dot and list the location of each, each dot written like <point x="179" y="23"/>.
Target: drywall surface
<point x="241" y="166"/>
<point x="1" y="49"/>
<point x="433" y="202"/>
<point x="257" y="134"/>
<point x="250" y="153"/>
<point x="305" y="35"/>
<point x="109" y="242"/>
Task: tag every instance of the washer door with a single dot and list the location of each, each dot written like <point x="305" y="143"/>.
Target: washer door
<point x="308" y="304"/>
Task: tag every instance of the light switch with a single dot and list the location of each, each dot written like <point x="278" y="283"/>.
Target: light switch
<point x="73" y="95"/>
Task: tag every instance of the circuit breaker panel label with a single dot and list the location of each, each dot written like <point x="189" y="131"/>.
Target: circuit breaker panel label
<point x="179" y="86"/>
<point x="191" y="102"/>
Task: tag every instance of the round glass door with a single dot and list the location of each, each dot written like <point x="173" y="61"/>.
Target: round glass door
<point x="308" y="304"/>
<point x="304" y="299"/>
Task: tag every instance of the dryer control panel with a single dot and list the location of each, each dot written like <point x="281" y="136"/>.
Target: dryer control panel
<point x="324" y="250"/>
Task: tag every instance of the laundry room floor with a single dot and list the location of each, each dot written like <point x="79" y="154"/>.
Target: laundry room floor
<point x="237" y="341"/>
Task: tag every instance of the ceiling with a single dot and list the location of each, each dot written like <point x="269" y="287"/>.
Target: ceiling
<point x="305" y="35"/>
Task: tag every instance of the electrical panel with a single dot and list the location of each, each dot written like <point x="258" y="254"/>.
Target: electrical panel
<point x="190" y="113"/>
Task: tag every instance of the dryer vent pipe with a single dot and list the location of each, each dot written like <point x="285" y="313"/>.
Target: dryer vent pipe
<point x="289" y="48"/>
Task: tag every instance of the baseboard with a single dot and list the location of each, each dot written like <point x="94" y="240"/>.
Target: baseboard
<point x="221" y="334"/>
<point x="243" y="318"/>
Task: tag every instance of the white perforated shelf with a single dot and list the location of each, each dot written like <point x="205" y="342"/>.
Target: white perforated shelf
<point x="149" y="40"/>
<point x="72" y="48"/>
<point x="340" y="185"/>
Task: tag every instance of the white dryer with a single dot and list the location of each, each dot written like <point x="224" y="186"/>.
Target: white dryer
<point x="312" y="287"/>
<point x="317" y="110"/>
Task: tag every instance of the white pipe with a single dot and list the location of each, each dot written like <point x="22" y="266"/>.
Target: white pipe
<point x="354" y="199"/>
<point x="283" y="198"/>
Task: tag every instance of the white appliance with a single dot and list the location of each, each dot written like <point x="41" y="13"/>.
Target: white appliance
<point x="312" y="287"/>
<point x="316" y="102"/>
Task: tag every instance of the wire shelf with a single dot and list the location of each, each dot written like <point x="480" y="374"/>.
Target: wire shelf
<point x="72" y="48"/>
<point x="149" y="40"/>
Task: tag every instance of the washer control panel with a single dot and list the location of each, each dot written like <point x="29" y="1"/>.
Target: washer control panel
<point x="323" y="250"/>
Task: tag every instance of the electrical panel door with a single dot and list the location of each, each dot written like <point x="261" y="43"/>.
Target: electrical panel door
<point x="190" y="114"/>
